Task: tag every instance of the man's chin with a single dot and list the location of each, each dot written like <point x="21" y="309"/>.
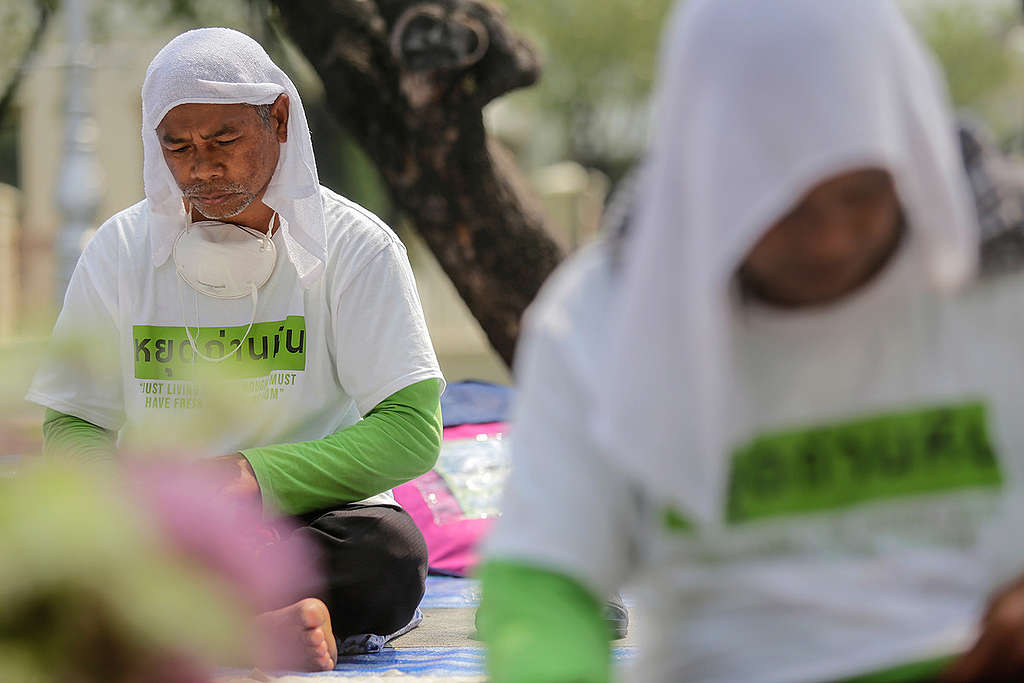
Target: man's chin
<point x="221" y="211"/>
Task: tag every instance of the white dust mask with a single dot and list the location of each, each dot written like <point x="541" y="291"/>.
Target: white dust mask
<point x="223" y="261"/>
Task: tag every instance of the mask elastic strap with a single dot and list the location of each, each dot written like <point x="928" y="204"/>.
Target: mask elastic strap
<point x="195" y="296"/>
<point x="192" y="341"/>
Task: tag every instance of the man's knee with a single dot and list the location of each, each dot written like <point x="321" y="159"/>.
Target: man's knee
<point x="375" y="561"/>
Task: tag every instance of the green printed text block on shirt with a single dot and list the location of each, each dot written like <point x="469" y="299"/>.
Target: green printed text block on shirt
<point x="885" y="457"/>
<point x="163" y="352"/>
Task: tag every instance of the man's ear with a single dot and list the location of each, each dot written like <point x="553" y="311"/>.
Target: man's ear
<point x="279" y="117"/>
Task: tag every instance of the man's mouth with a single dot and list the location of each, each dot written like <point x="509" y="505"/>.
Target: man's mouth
<point x="212" y="198"/>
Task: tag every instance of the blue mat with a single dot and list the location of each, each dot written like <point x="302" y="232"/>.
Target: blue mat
<point x="453" y="592"/>
<point x="450" y="592"/>
<point x="461" y="661"/>
<point x="448" y="661"/>
<point x="475" y="402"/>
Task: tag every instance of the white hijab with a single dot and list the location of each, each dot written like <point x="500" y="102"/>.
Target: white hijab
<point x="221" y="66"/>
<point x="757" y="103"/>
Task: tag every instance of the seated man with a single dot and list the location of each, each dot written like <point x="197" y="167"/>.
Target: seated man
<point x="238" y="260"/>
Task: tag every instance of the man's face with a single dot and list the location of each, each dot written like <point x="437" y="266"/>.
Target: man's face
<point x="222" y="156"/>
<point x="833" y="241"/>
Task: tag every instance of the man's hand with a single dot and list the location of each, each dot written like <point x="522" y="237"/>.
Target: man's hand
<point x="234" y="479"/>
<point x="998" y="654"/>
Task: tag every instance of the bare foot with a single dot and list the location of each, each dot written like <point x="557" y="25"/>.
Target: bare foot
<point x="299" y="637"/>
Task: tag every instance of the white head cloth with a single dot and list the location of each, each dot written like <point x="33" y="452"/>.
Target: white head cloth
<point x="222" y="66"/>
<point x="757" y="103"/>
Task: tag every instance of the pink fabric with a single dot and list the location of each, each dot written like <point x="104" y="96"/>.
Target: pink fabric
<point x="451" y="540"/>
<point x="472" y="431"/>
<point x="451" y="548"/>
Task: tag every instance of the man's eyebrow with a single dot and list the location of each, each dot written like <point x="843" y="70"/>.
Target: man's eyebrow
<point x="171" y="140"/>
<point x="226" y="129"/>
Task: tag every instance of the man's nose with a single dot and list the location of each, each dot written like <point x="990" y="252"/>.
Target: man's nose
<point x="206" y="166"/>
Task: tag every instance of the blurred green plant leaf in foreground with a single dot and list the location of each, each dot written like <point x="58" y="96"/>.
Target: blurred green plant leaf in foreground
<point x="90" y="590"/>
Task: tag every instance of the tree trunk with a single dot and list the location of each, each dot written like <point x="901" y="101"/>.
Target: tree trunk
<point x="409" y="80"/>
<point x="44" y="11"/>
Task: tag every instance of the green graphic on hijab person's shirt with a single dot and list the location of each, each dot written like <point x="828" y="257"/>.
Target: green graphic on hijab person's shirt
<point x="883" y="457"/>
<point x="894" y="455"/>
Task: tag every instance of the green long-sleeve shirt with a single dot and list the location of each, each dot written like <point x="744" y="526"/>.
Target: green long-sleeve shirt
<point x="397" y="441"/>
<point x="541" y="627"/>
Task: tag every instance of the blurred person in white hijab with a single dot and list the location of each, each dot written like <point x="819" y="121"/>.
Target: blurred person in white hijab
<point x="239" y="260"/>
<point x="782" y="407"/>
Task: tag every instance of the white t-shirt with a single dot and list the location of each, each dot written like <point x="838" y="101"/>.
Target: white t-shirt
<point x="875" y="441"/>
<point x="315" y="361"/>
